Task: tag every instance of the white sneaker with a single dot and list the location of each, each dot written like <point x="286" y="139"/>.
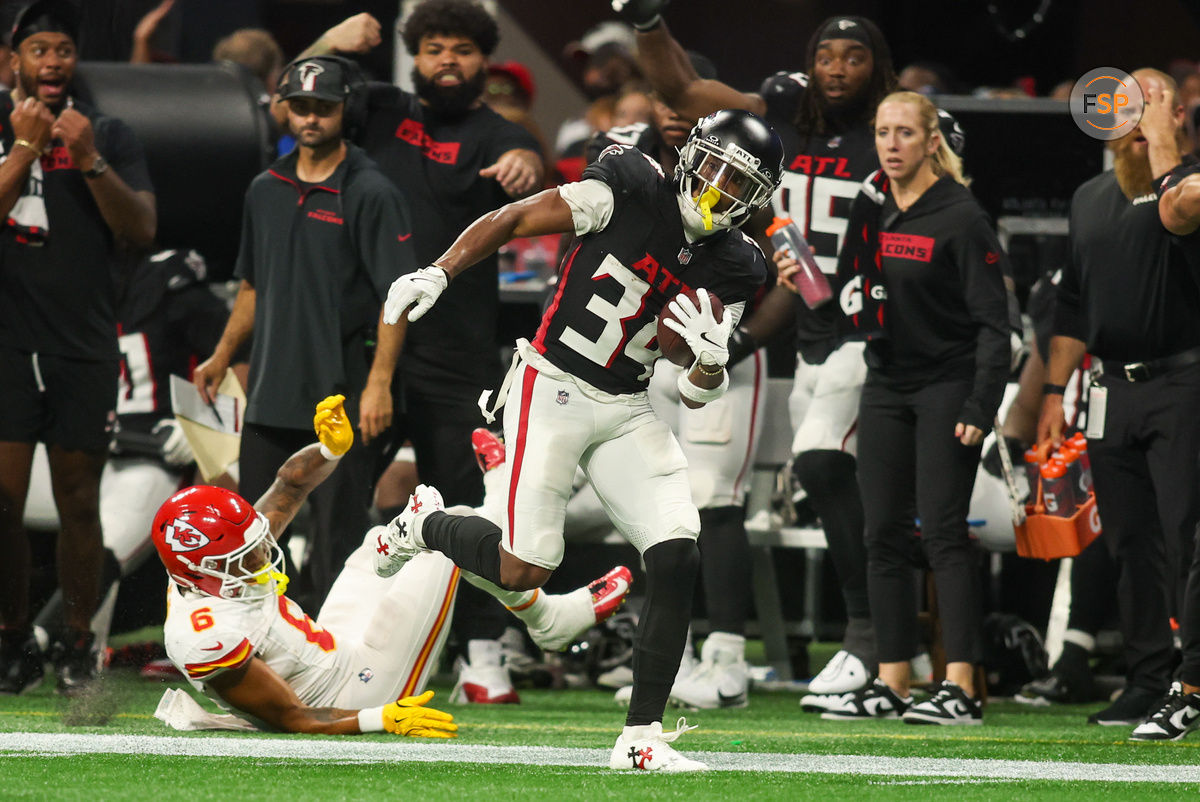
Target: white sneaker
<point x="820" y="702"/>
<point x="648" y="748"/>
<point x="400" y="541"/>
<point x="843" y="673"/>
<point x="722" y="679"/>
<point x="582" y="608"/>
<point x="687" y="664"/>
<point x="483" y="677"/>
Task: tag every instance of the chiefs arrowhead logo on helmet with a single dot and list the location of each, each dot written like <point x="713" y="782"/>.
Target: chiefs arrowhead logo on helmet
<point x="182" y="536"/>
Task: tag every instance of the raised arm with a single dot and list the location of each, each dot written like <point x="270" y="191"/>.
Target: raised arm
<point x="256" y="689"/>
<point x="1179" y="207"/>
<point x="543" y="213"/>
<point x="130" y="214"/>
<point x="309" y="466"/>
<point x="31" y="122"/>
<point x="666" y="65"/>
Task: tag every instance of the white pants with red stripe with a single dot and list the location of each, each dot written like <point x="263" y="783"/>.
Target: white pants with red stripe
<point x="823" y="405"/>
<point x="394" y="628"/>
<point x="720" y="438"/>
<point x="554" y="422"/>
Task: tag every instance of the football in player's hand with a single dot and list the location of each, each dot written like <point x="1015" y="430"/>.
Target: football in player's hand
<point x="670" y="343"/>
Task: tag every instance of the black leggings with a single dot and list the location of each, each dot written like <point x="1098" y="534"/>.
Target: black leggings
<point x="910" y="463"/>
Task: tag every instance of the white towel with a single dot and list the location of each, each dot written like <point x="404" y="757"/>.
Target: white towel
<point x="178" y="710"/>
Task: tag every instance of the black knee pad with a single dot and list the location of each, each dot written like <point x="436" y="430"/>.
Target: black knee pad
<point x="824" y="473"/>
<point x="718" y="519"/>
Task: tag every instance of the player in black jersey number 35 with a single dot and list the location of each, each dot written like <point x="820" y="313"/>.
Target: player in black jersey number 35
<point x="578" y="391"/>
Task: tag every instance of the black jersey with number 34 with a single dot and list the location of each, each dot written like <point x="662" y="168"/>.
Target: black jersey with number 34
<point x="601" y="323"/>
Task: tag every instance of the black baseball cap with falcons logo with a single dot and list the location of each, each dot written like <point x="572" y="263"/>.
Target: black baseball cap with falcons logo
<point x="320" y="78"/>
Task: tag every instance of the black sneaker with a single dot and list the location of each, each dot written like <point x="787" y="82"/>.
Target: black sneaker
<point x="1131" y="708"/>
<point x="22" y="664"/>
<point x="875" y="701"/>
<point x="76" y="662"/>
<point x="1065" y="684"/>
<point x="948" y="705"/>
<point x="1178" y="715"/>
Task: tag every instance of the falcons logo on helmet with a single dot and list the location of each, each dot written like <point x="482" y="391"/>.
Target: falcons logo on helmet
<point x="308" y="75"/>
<point x="182" y="536"/>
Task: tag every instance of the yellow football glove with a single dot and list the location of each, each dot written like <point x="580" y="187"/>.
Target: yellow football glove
<point x="332" y="427"/>
<point x="408" y="716"/>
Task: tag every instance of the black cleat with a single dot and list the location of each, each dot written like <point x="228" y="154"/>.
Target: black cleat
<point x="76" y="662"/>
<point x="22" y="665"/>
<point x="1131" y="708"/>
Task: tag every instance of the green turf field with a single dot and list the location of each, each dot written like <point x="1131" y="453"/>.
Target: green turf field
<point x="554" y="746"/>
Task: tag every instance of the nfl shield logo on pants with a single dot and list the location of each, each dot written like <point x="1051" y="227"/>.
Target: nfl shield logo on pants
<point x="563" y="397"/>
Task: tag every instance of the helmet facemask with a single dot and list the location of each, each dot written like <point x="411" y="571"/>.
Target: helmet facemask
<point x="721" y="184"/>
<point x="253" y="570"/>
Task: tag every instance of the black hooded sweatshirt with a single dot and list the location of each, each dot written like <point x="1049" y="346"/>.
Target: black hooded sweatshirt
<point x="945" y="312"/>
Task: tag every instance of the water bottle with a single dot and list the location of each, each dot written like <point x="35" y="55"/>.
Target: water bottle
<point x="1057" y="491"/>
<point x="809" y="280"/>
<point x="1033" y="470"/>
<point x="1079" y="443"/>
<point x="1069" y="456"/>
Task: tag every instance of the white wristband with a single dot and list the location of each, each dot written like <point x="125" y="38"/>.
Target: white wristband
<point x="701" y="395"/>
<point x="329" y="455"/>
<point x="370" y="719"/>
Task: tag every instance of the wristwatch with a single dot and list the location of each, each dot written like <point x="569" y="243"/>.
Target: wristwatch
<point x="99" y="168"/>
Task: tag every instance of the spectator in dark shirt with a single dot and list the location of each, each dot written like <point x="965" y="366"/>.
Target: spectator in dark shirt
<point x="73" y="184"/>
<point x="1128" y="298"/>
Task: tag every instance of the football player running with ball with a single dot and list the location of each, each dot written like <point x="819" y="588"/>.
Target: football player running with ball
<point x="362" y="664"/>
<point x="578" y="391"/>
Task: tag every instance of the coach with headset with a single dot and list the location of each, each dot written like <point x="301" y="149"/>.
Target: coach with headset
<point x="324" y="234"/>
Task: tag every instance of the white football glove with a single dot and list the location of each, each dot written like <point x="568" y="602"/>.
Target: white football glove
<point x="176" y="451"/>
<point x="421" y="287"/>
<point x="708" y="339"/>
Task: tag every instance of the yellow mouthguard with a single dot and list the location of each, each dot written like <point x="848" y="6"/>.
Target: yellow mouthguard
<point x="708" y="198"/>
<point x="281" y="581"/>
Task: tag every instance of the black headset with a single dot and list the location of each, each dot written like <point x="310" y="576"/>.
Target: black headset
<point x="354" y="119"/>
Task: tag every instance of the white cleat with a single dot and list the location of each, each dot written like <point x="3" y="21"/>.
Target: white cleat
<point x="484" y="678"/>
<point x="843" y="673"/>
<point x="582" y="608"/>
<point x="648" y="748"/>
<point x="722" y="679"/>
<point x="399" y="541"/>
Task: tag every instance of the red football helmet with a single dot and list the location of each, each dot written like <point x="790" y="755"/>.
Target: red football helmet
<point x="213" y="541"/>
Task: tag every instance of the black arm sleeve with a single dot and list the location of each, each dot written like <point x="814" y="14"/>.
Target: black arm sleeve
<point x="1068" y="317"/>
<point x="982" y="265"/>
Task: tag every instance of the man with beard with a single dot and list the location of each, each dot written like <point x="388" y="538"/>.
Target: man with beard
<point x="1129" y="298"/>
<point x="73" y="184"/>
<point x="455" y="160"/>
<point x="823" y="116"/>
<point x="323" y="235"/>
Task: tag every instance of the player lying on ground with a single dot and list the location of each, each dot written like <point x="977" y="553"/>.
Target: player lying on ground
<point x="359" y="666"/>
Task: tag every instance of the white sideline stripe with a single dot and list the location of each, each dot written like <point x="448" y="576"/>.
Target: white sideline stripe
<point x="352" y="750"/>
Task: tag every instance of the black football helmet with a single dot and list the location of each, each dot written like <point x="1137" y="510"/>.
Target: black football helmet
<point x="728" y="169"/>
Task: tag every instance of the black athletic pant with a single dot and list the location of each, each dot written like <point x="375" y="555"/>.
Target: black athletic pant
<point x="907" y="454"/>
<point x="340" y="504"/>
<point x="1093" y="576"/>
<point x="1144" y="468"/>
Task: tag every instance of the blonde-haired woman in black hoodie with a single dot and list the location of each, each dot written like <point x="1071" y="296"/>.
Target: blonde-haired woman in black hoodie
<point x="923" y="281"/>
